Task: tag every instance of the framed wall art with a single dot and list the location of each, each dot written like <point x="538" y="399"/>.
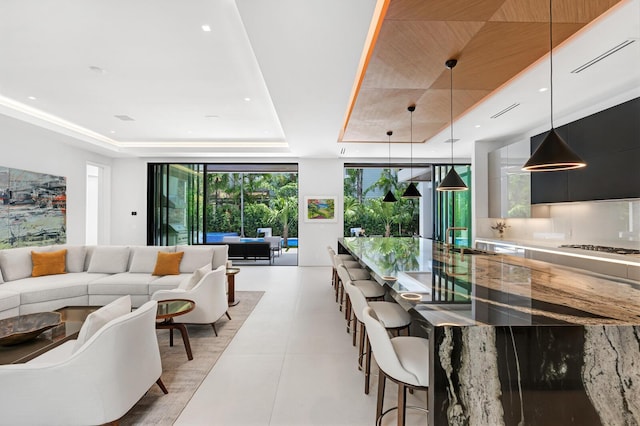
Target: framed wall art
<point x="320" y="209"/>
<point x="33" y="208"/>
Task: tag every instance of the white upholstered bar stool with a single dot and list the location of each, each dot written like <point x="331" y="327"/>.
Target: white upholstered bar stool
<point x="403" y="359"/>
<point x="370" y="288"/>
<point x="393" y="317"/>
<point x="334" y="274"/>
<point x="356" y="272"/>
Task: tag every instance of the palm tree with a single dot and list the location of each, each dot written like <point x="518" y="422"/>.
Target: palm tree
<point x="353" y="184"/>
<point x="285" y="211"/>
<point x="388" y="181"/>
<point x="382" y="212"/>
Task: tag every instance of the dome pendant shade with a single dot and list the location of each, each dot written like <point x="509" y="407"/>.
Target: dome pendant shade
<point x="411" y="191"/>
<point x="389" y="198"/>
<point x="553" y="154"/>
<point x="452" y="182"/>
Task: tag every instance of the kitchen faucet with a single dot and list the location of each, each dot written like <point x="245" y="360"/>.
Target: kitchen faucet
<point x="452" y="229"/>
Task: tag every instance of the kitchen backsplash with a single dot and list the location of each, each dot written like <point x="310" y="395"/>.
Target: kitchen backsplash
<point x="611" y="223"/>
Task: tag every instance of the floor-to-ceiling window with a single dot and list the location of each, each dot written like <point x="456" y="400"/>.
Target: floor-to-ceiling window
<point x="452" y="209"/>
<point x="247" y="199"/>
<point x="364" y="209"/>
<point x="175" y="198"/>
<point x="203" y="203"/>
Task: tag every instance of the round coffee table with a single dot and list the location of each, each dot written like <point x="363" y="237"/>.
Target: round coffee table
<point x="167" y="311"/>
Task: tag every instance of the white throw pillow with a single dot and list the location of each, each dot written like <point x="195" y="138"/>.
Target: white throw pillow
<point x="195" y="257"/>
<point x="98" y="319"/>
<point x="75" y="256"/>
<point x="143" y="258"/>
<point x="190" y="282"/>
<point x="109" y="259"/>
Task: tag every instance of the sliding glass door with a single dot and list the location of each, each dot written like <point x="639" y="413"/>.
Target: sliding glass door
<point x="452" y="209"/>
<point x="175" y="209"/>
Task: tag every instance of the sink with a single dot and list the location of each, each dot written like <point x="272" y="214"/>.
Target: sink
<point x="467" y="250"/>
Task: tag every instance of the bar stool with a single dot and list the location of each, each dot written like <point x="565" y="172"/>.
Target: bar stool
<point x="370" y="288"/>
<point x="334" y="274"/>
<point x="403" y="359"/>
<point x="355" y="272"/>
<point x="393" y="317"/>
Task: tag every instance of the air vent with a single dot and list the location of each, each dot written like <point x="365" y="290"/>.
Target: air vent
<point x="451" y="140"/>
<point x="124" y="118"/>
<point x="600" y="57"/>
<point x="504" y="111"/>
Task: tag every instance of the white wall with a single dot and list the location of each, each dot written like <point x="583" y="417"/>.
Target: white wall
<point x="129" y="194"/>
<point x="319" y="177"/>
<point x="28" y="147"/>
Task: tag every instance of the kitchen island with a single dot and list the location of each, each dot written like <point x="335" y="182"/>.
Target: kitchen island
<point x="515" y="341"/>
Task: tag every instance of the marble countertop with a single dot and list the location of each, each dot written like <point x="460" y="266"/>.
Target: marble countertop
<point x="494" y="289"/>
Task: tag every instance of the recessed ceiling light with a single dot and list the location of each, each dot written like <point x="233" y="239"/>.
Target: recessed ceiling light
<point x="112" y="131"/>
<point x="206" y="28"/>
<point x="247" y="99"/>
<point x="33" y="98"/>
<point x="542" y="89"/>
<point x="211" y="116"/>
<point x="477" y="126"/>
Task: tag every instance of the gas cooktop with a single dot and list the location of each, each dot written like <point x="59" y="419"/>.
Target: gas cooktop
<point x="605" y="249"/>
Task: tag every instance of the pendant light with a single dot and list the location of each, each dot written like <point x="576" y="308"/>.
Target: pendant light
<point x="412" y="190"/>
<point x="553" y="153"/>
<point x="389" y="198"/>
<point x="452" y="181"/>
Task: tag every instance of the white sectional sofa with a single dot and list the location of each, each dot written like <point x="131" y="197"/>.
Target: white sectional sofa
<point x="95" y="275"/>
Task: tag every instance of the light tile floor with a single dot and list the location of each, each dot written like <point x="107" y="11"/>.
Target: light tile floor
<point x="292" y="362"/>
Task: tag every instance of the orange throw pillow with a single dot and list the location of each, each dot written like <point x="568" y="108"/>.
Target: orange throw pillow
<point x="168" y="263"/>
<point x="48" y="263"/>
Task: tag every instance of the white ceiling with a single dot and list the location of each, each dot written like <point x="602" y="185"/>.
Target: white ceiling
<point x="272" y="78"/>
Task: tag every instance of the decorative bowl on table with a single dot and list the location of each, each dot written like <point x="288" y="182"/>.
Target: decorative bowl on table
<point x="389" y="278"/>
<point x="22" y="328"/>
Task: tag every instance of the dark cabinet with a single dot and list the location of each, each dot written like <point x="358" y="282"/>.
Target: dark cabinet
<point x="609" y="141"/>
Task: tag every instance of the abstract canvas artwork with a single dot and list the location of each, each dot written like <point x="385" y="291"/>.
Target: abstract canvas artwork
<point x="33" y="208"/>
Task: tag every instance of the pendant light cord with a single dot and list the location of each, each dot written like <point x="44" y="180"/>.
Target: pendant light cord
<point x="389" y="133"/>
<point x="551" y="59"/>
<point x="411" y="146"/>
<point x="451" y="115"/>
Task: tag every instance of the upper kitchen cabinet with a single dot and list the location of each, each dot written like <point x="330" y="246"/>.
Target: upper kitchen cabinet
<point x="609" y="141"/>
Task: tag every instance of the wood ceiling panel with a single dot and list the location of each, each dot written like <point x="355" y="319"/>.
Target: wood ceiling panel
<point x="383" y="110"/>
<point x="443" y="10"/>
<point x="564" y="11"/>
<point x="405" y="52"/>
<point x="379" y="110"/>
<point x="493" y="40"/>
<point x="500" y="51"/>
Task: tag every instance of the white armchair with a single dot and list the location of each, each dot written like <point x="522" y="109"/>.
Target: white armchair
<point x="210" y="295"/>
<point x="95" y="384"/>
